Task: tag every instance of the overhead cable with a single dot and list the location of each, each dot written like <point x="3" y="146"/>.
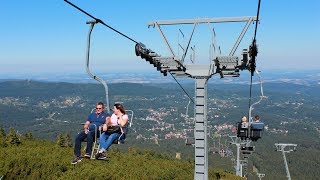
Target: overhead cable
<point x="182" y="88"/>
<point x="253" y="53"/>
<point x="258" y="11"/>
<point x="100" y="21"/>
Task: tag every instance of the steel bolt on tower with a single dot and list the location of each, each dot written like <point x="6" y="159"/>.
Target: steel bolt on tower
<point x="226" y="66"/>
<point x="281" y="147"/>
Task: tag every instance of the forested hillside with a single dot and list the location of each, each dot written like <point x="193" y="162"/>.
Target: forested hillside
<point x="41" y="159"/>
<point x="162" y="124"/>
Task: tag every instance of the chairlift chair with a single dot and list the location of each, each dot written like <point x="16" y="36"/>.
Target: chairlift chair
<point x="253" y="133"/>
<point x="190" y="141"/>
<point x="120" y="140"/>
<point x="247" y="150"/>
<point x="124" y="131"/>
<point x="242" y="132"/>
<point x="256" y="129"/>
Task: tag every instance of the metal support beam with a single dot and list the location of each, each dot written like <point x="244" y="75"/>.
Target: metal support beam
<point x="200" y="129"/>
<point x="164" y="38"/>
<point x="240" y="37"/>
<point x="239" y="163"/>
<point x="238" y="167"/>
<point x="286" y="165"/>
<point x="282" y="147"/>
<point x="201" y="20"/>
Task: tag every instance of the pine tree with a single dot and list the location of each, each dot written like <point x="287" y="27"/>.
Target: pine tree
<point x="68" y="140"/>
<point x="61" y="140"/>
<point x="12" y="137"/>
<point x="2" y="132"/>
<point x="2" y="137"/>
<point x="28" y="136"/>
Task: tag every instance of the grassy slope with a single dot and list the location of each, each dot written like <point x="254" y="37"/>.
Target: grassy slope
<point x="37" y="159"/>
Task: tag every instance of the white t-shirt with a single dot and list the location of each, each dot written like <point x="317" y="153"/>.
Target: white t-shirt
<point x="114" y="119"/>
<point x="244" y="125"/>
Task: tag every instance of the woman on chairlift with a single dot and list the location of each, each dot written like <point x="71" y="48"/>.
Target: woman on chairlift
<point x="119" y="119"/>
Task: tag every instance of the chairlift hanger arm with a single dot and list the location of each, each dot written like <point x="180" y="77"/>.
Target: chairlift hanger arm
<point x="92" y="23"/>
<point x="261" y="97"/>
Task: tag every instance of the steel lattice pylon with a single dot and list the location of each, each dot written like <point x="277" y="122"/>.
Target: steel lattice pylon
<point x="226" y="66"/>
<point x="286" y="148"/>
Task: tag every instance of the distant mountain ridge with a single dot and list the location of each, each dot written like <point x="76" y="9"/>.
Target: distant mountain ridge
<point x="294" y="77"/>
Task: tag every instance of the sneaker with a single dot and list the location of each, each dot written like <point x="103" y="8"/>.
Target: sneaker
<point x="87" y="155"/>
<point x="76" y="160"/>
<point x="101" y="156"/>
<point x="97" y="155"/>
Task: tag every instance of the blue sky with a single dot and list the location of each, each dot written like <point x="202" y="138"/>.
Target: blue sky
<point x="50" y="36"/>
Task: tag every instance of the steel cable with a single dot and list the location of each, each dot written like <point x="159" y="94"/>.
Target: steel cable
<point x="100" y="21"/>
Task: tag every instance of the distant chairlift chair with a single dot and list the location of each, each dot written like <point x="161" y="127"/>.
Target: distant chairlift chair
<point x="246" y="151"/>
<point x="256" y="130"/>
<point x="255" y="133"/>
<point x="190" y="141"/>
<point x="242" y="132"/>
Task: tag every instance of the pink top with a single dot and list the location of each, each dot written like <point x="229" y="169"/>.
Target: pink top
<point x="114" y="119"/>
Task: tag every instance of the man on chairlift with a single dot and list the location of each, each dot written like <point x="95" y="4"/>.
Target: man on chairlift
<point x="91" y="129"/>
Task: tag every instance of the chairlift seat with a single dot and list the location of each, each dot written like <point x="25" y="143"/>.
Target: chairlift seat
<point x="190" y="141"/>
<point x="242" y="132"/>
<point x="125" y="130"/>
<point x="256" y="130"/>
<point x="122" y="137"/>
<point x="257" y="126"/>
<point x="245" y="148"/>
<point x="246" y="152"/>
